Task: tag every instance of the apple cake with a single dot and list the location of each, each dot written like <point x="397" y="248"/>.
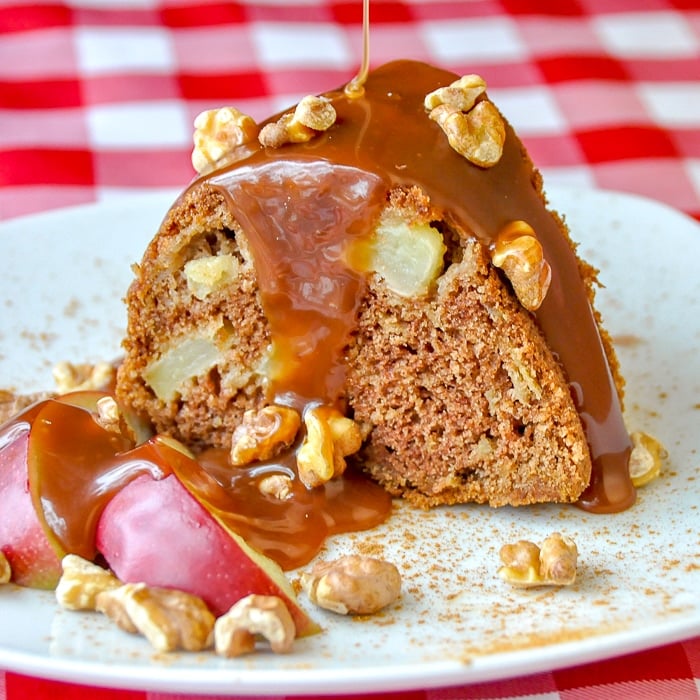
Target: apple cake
<point x="387" y="256"/>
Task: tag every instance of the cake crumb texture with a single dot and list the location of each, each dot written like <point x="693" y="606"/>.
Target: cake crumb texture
<point x="457" y="393"/>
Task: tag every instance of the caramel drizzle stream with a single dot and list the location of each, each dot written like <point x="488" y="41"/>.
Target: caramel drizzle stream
<point x="356" y="87"/>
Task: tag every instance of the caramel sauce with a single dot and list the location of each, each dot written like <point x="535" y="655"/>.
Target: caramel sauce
<point x="298" y="207"/>
<point x="75" y="467"/>
<point x="298" y="215"/>
<point x="356" y="87"/>
<point x="292" y="531"/>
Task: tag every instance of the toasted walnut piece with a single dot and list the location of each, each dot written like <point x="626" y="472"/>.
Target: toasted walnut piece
<point x="276" y="485"/>
<point x="263" y="433"/>
<point x="113" y="605"/>
<point x="10" y="404"/>
<point x="285" y="130"/>
<point x="169" y="619"/>
<point x="311" y="116"/>
<point x="645" y="458"/>
<point x="108" y="414"/>
<point x="521" y="563"/>
<point x="558" y="558"/>
<point x="347" y="439"/>
<point x="461" y="94"/>
<point x="553" y="564"/>
<point x="83" y="377"/>
<point x="330" y="438"/>
<point x="519" y="254"/>
<point x="315" y="459"/>
<point x="218" y="132"/>
<point x="81" y="582"/>
<point x="316" y="113"/>
<point x="478" y="134"/>
<point x="5" y="568"/>
<point x="255" y="615"/>
<point x="352" y="585"/>
<point x="275" y="135"/>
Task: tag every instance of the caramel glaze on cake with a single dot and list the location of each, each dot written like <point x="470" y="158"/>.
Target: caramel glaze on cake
<point x="462" y="394"/>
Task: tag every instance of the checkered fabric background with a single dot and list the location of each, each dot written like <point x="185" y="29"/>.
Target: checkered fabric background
<point x="97" y="98"/>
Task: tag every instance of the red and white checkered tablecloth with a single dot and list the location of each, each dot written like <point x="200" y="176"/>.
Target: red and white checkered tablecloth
<point x="97" y="98"/>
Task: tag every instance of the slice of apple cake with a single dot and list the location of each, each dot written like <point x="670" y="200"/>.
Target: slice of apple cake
<point x="389" y="258"/>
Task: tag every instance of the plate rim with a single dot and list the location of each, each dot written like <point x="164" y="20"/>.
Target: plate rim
<point x="391" y="678"/>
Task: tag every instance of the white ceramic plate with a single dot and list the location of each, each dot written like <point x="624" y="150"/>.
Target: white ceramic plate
<point x="64" y="274"/>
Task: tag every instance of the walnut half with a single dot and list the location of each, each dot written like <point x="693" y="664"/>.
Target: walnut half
<point x="518" y="252"/>
<point x="83" y="377"/>
<point x="645" y="459"/>
<point x="472" y="124"/>
<point x="217" y="133"/>
<point x="552" y="564"/>
<point x="330" y="438"/>
<point x="169" y="619"/>
<point x="81" y="582"/>
<point x="264" y="433"/>
<point x="311" y="116"/>
<point x="254" y="616"/>
<point x="353" y="585"/>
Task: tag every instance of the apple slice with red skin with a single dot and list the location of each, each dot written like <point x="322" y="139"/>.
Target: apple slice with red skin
<point x="33" y="445"/>
<point x="74" y="466"/>
<point x="23" y="541"/>
<point x="157" y="531"/>
<point x="159" y="516"/>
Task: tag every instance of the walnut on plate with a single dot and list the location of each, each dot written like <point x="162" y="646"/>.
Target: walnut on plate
<point x="526" y="565"/>
<point x="352" y="584"/>
<point x="251" y="618"/>
<point x="645" y="459"/>
<point x="83" y="377"/>
<point x="81" y="582"/>
<point x="169" y="619"/>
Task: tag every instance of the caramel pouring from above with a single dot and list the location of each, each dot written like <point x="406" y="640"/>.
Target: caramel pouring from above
<point x="380" y="140"/>
<point x="356" y="87"/>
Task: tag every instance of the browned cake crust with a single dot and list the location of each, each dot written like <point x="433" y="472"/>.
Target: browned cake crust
<point x="457" y="393"/>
